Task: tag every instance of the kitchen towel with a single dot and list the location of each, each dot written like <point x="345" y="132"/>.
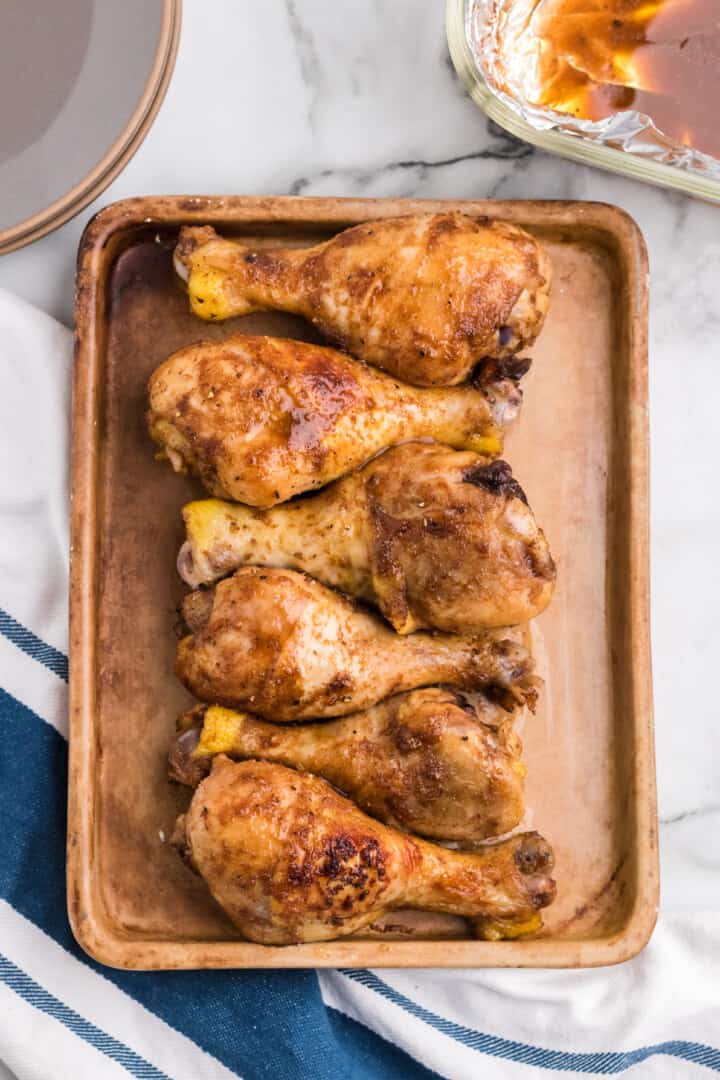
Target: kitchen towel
<point x="64" y="1017"/>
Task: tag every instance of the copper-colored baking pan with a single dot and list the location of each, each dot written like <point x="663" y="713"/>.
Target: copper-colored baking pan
<point x="580" y="449"/>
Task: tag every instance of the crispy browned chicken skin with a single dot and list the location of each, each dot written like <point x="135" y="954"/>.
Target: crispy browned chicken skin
<point x="291" y="860"/>
<point x="421" y="761"/>
<point x="260" y="419"/>
<point x="435" y="537"/>
<point x="422" y="297"/>
<point x="278" y="643"/>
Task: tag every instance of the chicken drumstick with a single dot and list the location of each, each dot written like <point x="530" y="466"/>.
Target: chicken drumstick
<point x="280" y="644"/>
<point x="422" y="297"/>
<point x="435" y="537"/>
<point x="260" y="419"/>
<point x="291" y="860"/>
<point x="421" y="761"/>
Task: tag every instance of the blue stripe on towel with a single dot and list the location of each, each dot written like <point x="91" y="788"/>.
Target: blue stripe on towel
<point x="37" y="996"/>
<point x="34" y="646"/>
<point x="602" y="1063"/>
<point x="259" y="1024"/>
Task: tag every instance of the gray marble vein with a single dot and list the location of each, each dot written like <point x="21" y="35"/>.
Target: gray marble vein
<point x="707" y="810"/>
<point x="310" y="66"/>
<point x="507" y="150"/>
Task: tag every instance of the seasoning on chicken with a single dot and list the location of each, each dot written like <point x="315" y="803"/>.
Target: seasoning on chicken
<point x="434" y="537"/>
<point x="291" y="860"/>
<point x="261" y="419"/>
<point x="278" y="643"/>
<point x="423" y="297"/>
<point x="421" y="761"/>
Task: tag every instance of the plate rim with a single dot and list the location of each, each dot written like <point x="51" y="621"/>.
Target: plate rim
<point x="121" y="150"/>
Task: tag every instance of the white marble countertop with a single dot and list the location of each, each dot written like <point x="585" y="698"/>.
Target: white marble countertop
<point x="349" y="98"/>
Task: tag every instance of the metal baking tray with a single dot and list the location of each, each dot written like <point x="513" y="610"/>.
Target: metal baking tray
<point x="459" y="14"/>
<point x="580" y="449"/>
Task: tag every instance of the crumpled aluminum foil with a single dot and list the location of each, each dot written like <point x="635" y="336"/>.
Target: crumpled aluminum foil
<point x="495" y="24"/>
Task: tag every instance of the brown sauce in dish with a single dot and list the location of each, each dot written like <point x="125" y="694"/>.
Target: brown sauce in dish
<point x="594" y="58"/>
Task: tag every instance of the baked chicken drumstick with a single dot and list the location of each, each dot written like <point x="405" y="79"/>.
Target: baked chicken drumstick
<point x="280" y="644"/>
<point x="291" y="860"/>
<point x="435" y="537"/>
<point x="261" y="419"/>
<point x="421" y="761"/>
<point x="422" y="297"/>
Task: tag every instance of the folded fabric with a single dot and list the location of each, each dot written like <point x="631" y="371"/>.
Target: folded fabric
<point x="65" y="1016"/>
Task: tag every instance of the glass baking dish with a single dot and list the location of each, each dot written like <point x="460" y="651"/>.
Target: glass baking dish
<point x="576" y="145"/>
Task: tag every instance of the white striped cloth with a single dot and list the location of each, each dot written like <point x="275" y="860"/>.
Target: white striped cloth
<point x="63" y="1016"/>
